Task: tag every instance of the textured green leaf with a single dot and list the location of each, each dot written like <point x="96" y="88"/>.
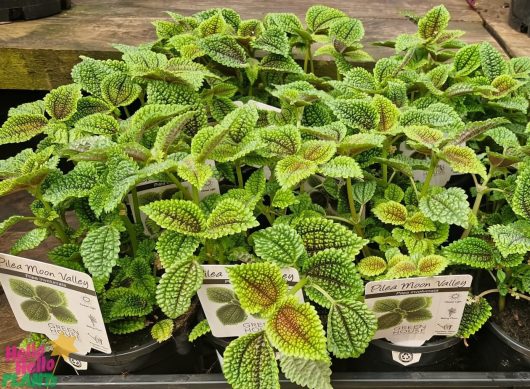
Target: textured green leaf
<point x="34" y="108"/>
<point x="467" y="60"/>
<point x="317" y="151"/>
<point x="304" y="372"/>
<point x="474" y="129"/>
<point x="356" y="113"/>
<point x="511" y="239"/>
<point x="177" y="286"/>
<point x="332" y="270"/>
<point x="293" y="169"/>
<point x="284" y="198"/>
<point x="320" y="234"/>
<point x="29" y="241"/>
<point x="424" y="135"/>
<point x="351" y="327"/>
<point x="391" y="212"/>
<point x="119" y="89"/>
<point x="493" y="65"/>
<point x="418" y="222"/>
<point x="197" y="174"/>
<point x="431" y="265"/>
<point x="215" y="24"/>
<point x="21" y="288"/>
<point x="281" y="140"/>
<point x="371" y="266"/>
<point x="61" y="103"/>
<point x="199" y="330"/>
<point x="385" y="68"/>
<point x="63" y="314"/>
<point x="97" y="124"/>
<point x="521" y="196"/>
<point x="434" y="22"/>
<point x="100" y="249"/>
<point x="258" y="286"/>
<point x="463" y="159"/>
<point x="224" y="50"/>
<point x="295" y="330"/>
<point x="357" y="143"/>
<point x="35" y="311"/>
<point x="176" y="215"/>
<point x="162" y="330"/>
<point x="161" y="92"/>
<point x="473" y="252"/>
<point x="476" y="314"/>
<point x="273" y="40"/>
<point x="168" y="133"/>
<point x="342" y="167"/>
<point x="129" y="304"/>
<point x="388" y="113"/>
<point x="229" y="217"/>
<point x="281" y="64"/>
<point x="360" y="79"/>
<point x="89" y="73"/>
<point x="363" y="191"/>
<point x="321" y="17"/>
<point x="127" y="326"/>
<point x="75" y="184"/>
<point x="287" y="22"/>
<point x="20" y="128"/>
<point x="249" y="363"/>
<point x="448" y="206"/>
<point x="10" y="222"/>
<point x="278" y="244"/>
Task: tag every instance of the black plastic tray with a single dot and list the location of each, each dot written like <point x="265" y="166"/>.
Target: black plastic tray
<point x="487" y="362"/>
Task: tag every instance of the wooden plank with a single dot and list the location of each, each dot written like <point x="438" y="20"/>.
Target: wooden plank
<point x="495" y="14"/>
<point x="39" y="54"/>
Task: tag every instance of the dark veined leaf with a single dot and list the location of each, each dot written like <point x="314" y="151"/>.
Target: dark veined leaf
<point x="448" y="206"/>
<point x="129" y="304"/>
<point x="98" y="124"/>
<point x="273" y="40"/>
<point x="278" y="244"/>
<point x="356" y="113"/>
<point x="100" y="249"/>
<point x="473" y="252"/>
<point x="431" y="265"/>
<point x="476" y="314"/>
<point x="363" y="191"/>
<point x="281" y="64"/>
<point x="295" y="329"/>
<point x="229" y="217"/>
<point x="347" y="31"/>
<point x="467" y="60"/>
<point x="317" y="151"/>
<point x="23" y="127"/>
<point x="168" y="133"/>
<point x="321" y="17"/>
<point x="424" y="135"/>
<point x="177" y="286"/>
<point x="215" y="24"/>
<point x="21" y="288"/>
<point x="161" y="92"/>
<point x="342" y="167"/>
<point x="176" y="215"/>
<point x="225" y="50"/>
<point x="332" y="270"/>
<point x="249" y="362"/>
<point x="388" y="113"/>
<point x="304" y="372"/>
<point x="281" y="140"/>
<point x="493" y="65"/>
<point x="391" y="212"/>
<point x="371" y="266"/>
<point x="35" y="311"/>
<point x="174" y="247"/>
<point x="90" y="72"/>
<point x="258" y="286"/>
<point x="463" y="159"/>
<point x="418" y="222"/>
<point x="384" y="69"/>
<point x="320" y="234"/>
<point x="6" y="224"/>
<point x="474" y="129"/>
<point x="293" y="169"/>
<point x="197" y="174"/>
<point x="287" y="22"/>
<point x="434" y="22"/>
<point x="351" y="327"/>
<point x="119" y="90"/>
<point x="127" y="326"/>
<point x="61" y="103"/>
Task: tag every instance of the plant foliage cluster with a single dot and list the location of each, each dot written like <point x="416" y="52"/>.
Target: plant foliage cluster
<point x="344" y="178"/>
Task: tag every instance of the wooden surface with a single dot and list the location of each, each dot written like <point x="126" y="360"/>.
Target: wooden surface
<point x="39" y="54"/>
<point x="495" y="15"/>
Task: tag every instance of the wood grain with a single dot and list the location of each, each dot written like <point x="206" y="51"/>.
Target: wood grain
<point x="39" y="54"/>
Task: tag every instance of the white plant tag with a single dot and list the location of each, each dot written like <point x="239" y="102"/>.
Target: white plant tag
<point x="54" y="301"/>
<point x="225" y="317"/>
<point x="412" y="310"/>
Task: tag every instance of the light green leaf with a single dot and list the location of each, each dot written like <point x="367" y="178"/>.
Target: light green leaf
<point x="304" y="372"/>
<point x="356" y="113"/>
<point x="347" y="31"/>
<point x="199" y="330"/>
<point x="467" y="60"/>
<point x="342" y="167"/>
<point x="391" y="212"/>
<point x="281" y="140"/>
<point x="321" y="17"/>
<point x="424" y="135"/>
<point x="21" y="288"/>
<point x="29" y="240"/>
<point x="357" y="143"/>
<point x="521" y="197"/>
<point x="463" y="159"/>
<point x="177" y="286"/>
<point x="473" y="252"/>
<point x="351" y="327"/>
<point x="176" y="215"/>
<point x="229" y="217"/>
<point x="100" y="249"/>
<point x="371" y="266"/>
<point x="278" y="244"/>
<point x="273" y="40"/>
<point x="162" y="330"/>
<point x="6" y="224"/>
<point x="197" y="174"/>
<point x="493" y="64"/>
<point x="293" y="169"/>
<point x="388" y="113"/>
<point x="76" y="183"/>
<point x="281" y="64"/>
<point x="173" y="247"/>
<point x="511" y="239"/>
<point x="476" y="314"/>
<point x="249" y="363"/>
<point x="20" y="128"/>
<point x="431" y="265"/>
<point x="215" y="24"/>
<point x="448" y="206"/>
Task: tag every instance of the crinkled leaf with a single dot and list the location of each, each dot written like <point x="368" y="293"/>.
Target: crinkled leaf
<point x="341" y="167"/>
<point x="391" y="212"/>
<point x="434" y="22"/>
<point x="225" y="50"/>
<point x="23" y="127"/>
<point x="476" y="314"/>
<point x="229" y="217"/>
<point x="162" y="330"/>
<point x="356" y="113"/>
<point x="176" y="215"/>
<point x="304" y="372"/>
<point x="463" y="159"/>
<point x="29" y="241"/>
<point x="278" y="244"/>
<point x="493" y="64"/>
<point x="293" y="169"/>
<point x="512" y="238"/>
<point x="448" y="206"/>
<point x="321" y="17"/>
<point x="273" y="40"/>
<point x="100" y="249"/>
<point x="119" y="90"/>
<point x="431" y="265"/>
<point x="61" y="103"/>
<point x="473" y="252"/>
<point x="174" y="247"/>
<point x="371" y="266"/>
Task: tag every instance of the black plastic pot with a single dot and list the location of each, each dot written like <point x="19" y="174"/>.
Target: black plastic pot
<point x="431" y="353"/>
<point x="133" y="352"/>
<point x="520" y="16"/>
<point x="516" y="349"/>
<point x="30" y="9"/>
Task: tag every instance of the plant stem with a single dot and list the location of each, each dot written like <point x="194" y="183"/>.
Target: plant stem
<point x="481" y="190"/>
<point x="299" y="285"/>
<point x="502" y="303"/>
<point x="209" y="253"/>
<point x="306" y="58"/>
<point x="430" y="173"/>
<point x="239" y="174"/>
<point x="136" y="206"/>
<point x="354" y="216"/>
<point x="179" y="186"/>
<point x="311" y="59"/>
<point x="384" y="166"/>
<point x="512" y="293"/>
<point x="131" y="230"/>
<point x="340" y="219"/>
<point x="195" y="194"/>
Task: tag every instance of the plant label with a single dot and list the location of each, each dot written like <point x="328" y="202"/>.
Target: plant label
<point x="221" y="306"/>
<point x="412" y="310"/>
<point x="54" y="301"/>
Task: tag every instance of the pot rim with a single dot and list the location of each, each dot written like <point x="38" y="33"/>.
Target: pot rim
<point x="119" y="357"/>
<point x="508" y="340"/>
<point x="434" y="346"/>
